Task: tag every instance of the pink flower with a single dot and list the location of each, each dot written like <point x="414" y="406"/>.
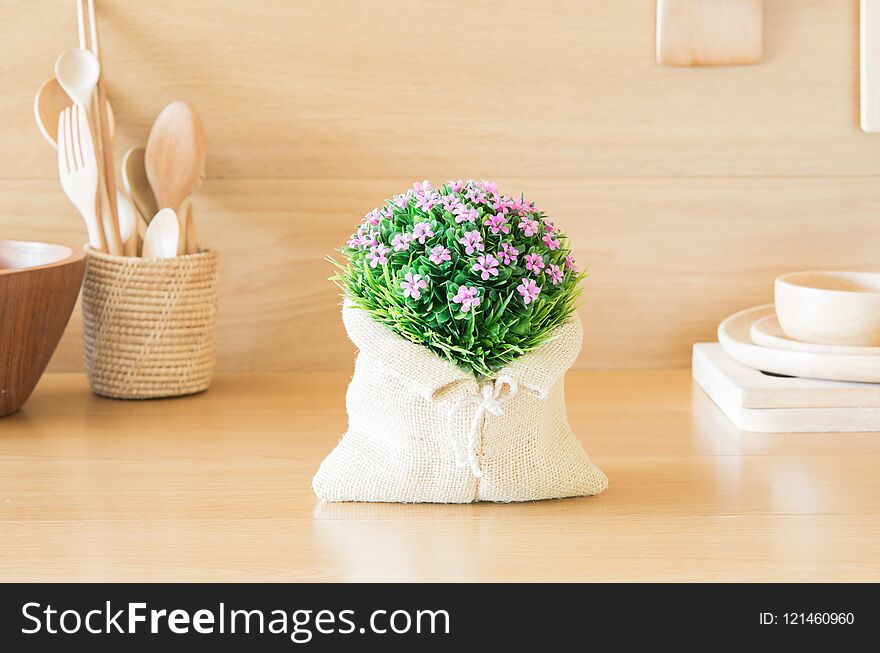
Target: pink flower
<point x="475" y="195"/>
<point x="508" y="253"/>
<point x="489" y="186"/>
<point x="473" y="242"/>
<point x="363" y="239"/>
<point x="427" y="201"/>
<point x="501" y="204"/>
<point x="378" y="256"/>
<point x="357" y="239"/>
<point x="413" y="285"/>
<point x="497" y="223"/>
<point x="487" y="265"/>
<point x="554" y="273"/>
<point x="529" y="290"/>
<point x="522" y="207"/>
<point x="529" y="227"/>
<point x="421" y="188"/>
<point x="421" y="231"/>
<point x="534" y="262"/>
<point x="551" y="242"/>
<point x="467" y="297"/>
<point x="373" y="217"/>
<point x="570" y="264"/>
<point x="450" y="202"/>
<point x="439" y="254"/>
<point x="401" y="200"/>
<point x="465" y="214"/>
<point x="455" y="186"/>
<point x="401" y="242"/>
<point x="549" y="227"/>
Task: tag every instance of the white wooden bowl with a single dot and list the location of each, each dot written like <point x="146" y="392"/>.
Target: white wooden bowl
<point x="830" y="308"/>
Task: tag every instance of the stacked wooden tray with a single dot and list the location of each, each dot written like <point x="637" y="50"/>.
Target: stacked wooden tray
<point x="766" y="403"/>
<point x="765" y="381"/>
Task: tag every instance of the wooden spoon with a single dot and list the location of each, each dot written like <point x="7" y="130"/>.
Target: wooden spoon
<point x="163" y="235"/>
<point x="134" y="180"/>
<point x="50" y="101"/>
<point x="175" y="155"/>
<point x="77" y="71"/>
<point x="128" y="227"/>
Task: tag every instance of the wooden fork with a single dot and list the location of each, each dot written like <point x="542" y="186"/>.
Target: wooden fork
<point x="78" y="170"/>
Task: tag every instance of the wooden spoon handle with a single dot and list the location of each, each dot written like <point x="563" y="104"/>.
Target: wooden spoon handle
<point x="115" y="237"/>
<point x="93" y="226"/>
<point x="192" y="245"/>
<point x="81" y="25"/>
<point x="106" y="138"/>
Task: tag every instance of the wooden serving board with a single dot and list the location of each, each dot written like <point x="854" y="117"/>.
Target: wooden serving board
<point x="709" y="33"/>
<point x="757" y="402"/>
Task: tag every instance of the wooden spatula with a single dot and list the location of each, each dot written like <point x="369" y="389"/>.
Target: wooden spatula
<point x="709" y="32"/>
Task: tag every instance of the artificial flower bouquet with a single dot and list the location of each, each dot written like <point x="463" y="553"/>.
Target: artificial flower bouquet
<point x="461" y="303"/>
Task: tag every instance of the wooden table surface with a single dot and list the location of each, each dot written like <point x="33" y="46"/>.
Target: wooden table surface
<point x="217" y="488"/>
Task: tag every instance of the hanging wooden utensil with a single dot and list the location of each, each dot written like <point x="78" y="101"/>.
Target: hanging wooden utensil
<point x="704" y="33"/>
<point x="869" y="64"/>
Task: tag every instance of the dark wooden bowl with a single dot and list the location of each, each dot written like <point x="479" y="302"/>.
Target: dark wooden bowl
<point x="39" y="284"/>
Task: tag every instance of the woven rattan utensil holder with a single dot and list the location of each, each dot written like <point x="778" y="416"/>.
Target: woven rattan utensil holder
<point x="149" y="324"/>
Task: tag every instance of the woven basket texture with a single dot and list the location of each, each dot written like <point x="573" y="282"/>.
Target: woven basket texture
<point x="149" y="325"/>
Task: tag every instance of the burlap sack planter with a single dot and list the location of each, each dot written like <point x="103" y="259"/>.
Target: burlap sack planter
<point x="423" y="430"/>
<point x="149" y="324"/>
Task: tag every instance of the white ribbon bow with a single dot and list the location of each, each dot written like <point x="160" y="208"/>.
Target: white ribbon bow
<point x="489" y="402"/>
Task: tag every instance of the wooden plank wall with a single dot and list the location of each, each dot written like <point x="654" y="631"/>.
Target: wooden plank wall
<point x="686" y="190"/>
